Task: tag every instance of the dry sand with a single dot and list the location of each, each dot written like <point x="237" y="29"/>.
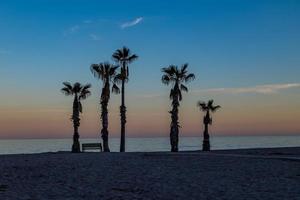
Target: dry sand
<point x="231" y="174"/>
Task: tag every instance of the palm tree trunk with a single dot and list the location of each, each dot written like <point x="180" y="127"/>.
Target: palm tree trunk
<point x="76" y="144"/>
<point x="174" y="132"/>
<point x="104" y="131"/>
<point x="76" y="124"/>
<point x="104" y="114"/>
<point x="123" y="115"/>
<point x="206" y="143"/>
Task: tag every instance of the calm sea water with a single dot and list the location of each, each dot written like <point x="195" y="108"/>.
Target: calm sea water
<point x="150" y="144"/>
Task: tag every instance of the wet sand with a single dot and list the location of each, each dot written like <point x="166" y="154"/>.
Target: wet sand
<point x="224" y="174"/>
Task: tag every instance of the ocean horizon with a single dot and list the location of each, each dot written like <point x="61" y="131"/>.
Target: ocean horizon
<point x="29" y="146"/>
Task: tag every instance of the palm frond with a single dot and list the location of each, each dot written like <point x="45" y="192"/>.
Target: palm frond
<point x="77" y="87"/>
<point x="170" y="70"/>
<point x="184" y="67"/>
<point x="165" y="79"/>
<point x="113" y="70"/>
<point x="66" y="91"/>
<point x="125" y="51"/>
<point x="184" y="88"/>
<point x="117" y="55"/>
<point x="115" y="89"/>
<point x="202" y="105"/>
<point x="132" y="58"/>
<point x="170" y="75"/>
<point x="68" y="85"/>
<point x="124" y="55"/>
<point x="176" y="76"/>
<point x="165" y="70"/>
<point x="118" y="79"/>
<point x="86" y="87"/>
<point x="210" y="103"/>
<point x="215" y="108"/>
<point x="85" y="92"/>
<point x="189" y="78"/>
<point x="96" y="70"/>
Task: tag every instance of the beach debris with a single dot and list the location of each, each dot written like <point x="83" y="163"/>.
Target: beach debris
<point x="128" y="189"/>
<point x="3" y="188"/>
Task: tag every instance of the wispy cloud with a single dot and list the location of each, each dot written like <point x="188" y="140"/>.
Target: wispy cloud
<point x="94" y="37"/>
<point x="259" y="89"/>
<point x="71" y="30"/>
<point x="74" y="28"/>
<point x="87" y="21"/>
<point x="132" y="23"/>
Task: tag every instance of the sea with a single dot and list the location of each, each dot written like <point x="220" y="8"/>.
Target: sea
<point x="28" y="146"/>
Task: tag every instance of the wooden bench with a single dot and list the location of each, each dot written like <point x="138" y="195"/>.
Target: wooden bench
<point x="91" y="146"/>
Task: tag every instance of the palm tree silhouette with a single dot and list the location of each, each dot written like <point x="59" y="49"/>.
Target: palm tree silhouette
<point x="207" y="107"/>
<point x="123" y="57"/>
<point x="105" y="72"/>
<point x="80" y="92"/>
<point x="176" y="77"/>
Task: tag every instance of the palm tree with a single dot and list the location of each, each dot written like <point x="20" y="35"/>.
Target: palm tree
<point x="80" y="92"/>
<point x="105" y="72"/>
<point x="123" y="57"/>
<point x="175" y="76"/>
<point x="207" y="107"/>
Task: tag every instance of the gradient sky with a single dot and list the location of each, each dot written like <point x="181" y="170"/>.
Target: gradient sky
<point x="244" y="53"/>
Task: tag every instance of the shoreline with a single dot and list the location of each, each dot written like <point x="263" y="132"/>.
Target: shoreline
<point x="259" y="150"/>
<point x="260" y="173"/>
<point x="148" y="145"/>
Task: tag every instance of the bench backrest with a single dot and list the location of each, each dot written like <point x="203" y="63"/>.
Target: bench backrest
<point x="92" y="146"/>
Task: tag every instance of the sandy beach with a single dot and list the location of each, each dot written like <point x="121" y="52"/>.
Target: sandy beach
<point x="225" y="174"/>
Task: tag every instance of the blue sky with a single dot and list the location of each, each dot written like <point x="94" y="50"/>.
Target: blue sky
<point x="236" y="41"/>
<point x="231" y="44"/>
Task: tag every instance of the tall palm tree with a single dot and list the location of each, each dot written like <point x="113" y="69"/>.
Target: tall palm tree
<point x="207" y="107"/>
<point x="123" y="57"/>
<point x="105" y="72"/>
<point x="175" y="76"/>
<point x="80" y="92"/>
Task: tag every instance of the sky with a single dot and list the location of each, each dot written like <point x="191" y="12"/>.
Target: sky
<point x="244" y="53"/>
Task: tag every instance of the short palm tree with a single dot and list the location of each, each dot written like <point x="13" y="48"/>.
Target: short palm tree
<point x="105" y="72"/>
<point x="175" y="76"/>
<point x="80" y="92"/>
<point x="207" y="107"/>
<point x="123" y="57"/>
